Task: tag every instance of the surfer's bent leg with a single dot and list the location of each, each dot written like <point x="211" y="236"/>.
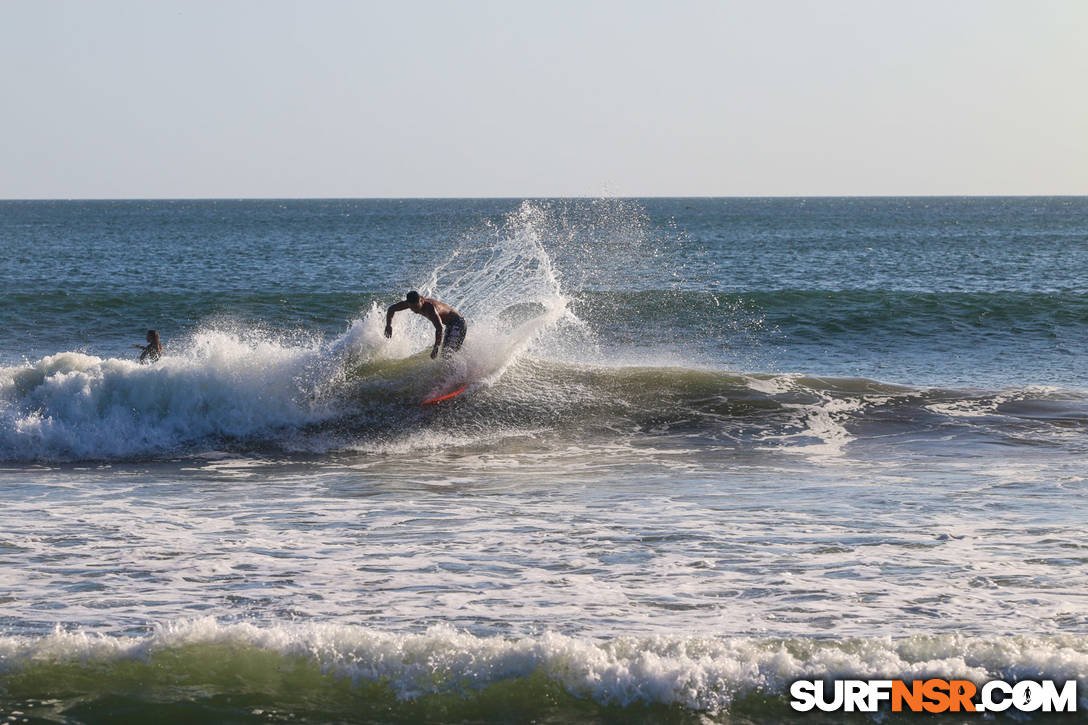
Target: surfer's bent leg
<point x="455" y="336"/>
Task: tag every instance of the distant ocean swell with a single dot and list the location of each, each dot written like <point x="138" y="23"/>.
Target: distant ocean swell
<point x="847" y="312"/>
<point x="793" y="310"/>
<point x="205" y="669"/>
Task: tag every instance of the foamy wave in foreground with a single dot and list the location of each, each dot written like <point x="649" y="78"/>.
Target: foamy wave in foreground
<point x="704" y="674"/>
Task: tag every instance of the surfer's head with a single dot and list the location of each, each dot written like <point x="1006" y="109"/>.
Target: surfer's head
<point x="413" y="298"/>
<point x="153" y="337"/>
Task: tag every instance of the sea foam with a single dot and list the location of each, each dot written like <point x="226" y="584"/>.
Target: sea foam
<point x="76" y="406"/>
<point x="701" y="673"/>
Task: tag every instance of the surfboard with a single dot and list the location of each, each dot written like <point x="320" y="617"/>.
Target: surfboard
<point x="447" y="396"/>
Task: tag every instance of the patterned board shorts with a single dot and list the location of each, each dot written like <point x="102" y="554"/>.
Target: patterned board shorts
<point x="455" y="335"/>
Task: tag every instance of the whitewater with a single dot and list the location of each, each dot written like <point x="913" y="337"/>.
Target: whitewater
<point x="706" y="448"/>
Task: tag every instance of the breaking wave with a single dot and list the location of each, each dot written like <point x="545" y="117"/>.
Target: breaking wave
<point x="344" y="672"/>
<point x="538" y="357"/>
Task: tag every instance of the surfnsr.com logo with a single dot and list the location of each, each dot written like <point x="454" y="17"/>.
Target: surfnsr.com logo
<point x="933" y="695"/>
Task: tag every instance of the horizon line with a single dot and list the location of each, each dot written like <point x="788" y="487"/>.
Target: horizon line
<point x="540" y="197"/>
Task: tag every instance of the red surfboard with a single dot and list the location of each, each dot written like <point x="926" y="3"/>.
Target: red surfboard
<point x="447" y="396"/>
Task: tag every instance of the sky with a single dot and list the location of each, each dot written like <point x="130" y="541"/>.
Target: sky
<point x="339" y="98"/>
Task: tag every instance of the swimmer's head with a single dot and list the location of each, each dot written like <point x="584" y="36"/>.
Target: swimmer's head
<point x="413" y="298"/>
<point x="152" y="336"/>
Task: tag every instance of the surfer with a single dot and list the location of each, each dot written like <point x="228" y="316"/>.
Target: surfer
<point x="153" y="350"/>
<point x="439" y="313"/>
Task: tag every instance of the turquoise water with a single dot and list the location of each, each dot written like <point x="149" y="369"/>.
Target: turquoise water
<point x="708" y="446"/>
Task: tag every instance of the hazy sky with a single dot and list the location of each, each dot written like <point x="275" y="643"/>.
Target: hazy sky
<point x="334" y="98"/>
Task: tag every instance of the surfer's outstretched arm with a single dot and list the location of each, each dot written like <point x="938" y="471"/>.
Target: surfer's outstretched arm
<point x="393" y="309"/>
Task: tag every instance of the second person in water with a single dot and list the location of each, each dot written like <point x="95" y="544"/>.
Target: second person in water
<point x="440" y="314"/>
<point x="153" y="350"/>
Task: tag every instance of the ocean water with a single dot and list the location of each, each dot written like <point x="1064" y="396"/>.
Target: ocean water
<point x="707" y="447"/>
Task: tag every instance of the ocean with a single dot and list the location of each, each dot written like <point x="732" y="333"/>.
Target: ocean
<point x="706" y="447"/>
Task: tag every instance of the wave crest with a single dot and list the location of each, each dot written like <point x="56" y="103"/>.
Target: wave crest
<point x="716" y="675"/>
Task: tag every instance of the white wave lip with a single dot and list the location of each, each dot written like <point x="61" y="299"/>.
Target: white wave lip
<point x="700" y="673"/>
<point x="72" y="405"/>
